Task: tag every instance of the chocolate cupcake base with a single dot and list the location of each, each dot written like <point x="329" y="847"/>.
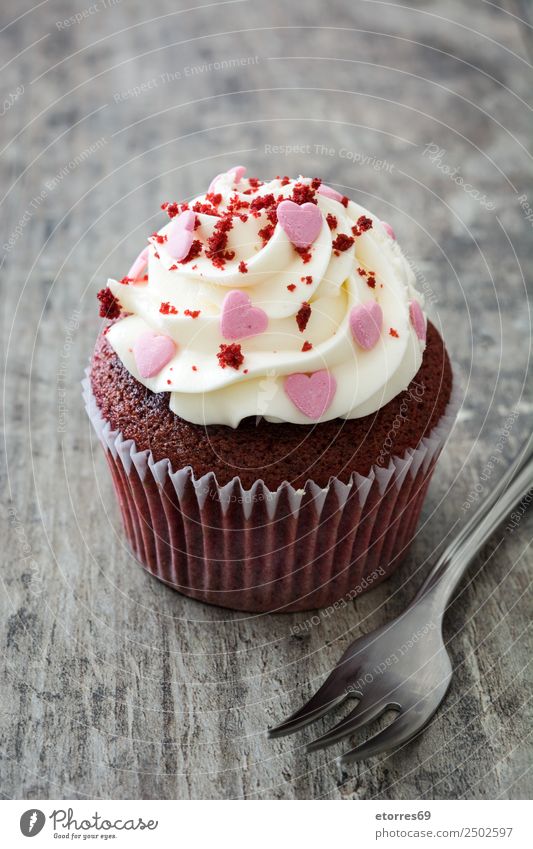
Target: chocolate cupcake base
<point x="268" y="451"/>
<point x="268" y="550"/>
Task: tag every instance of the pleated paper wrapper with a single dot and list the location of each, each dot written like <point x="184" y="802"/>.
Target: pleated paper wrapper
<point x="258" y="550"/>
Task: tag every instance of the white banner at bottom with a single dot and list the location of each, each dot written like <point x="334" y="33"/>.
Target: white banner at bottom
<point x="262" y="824"/>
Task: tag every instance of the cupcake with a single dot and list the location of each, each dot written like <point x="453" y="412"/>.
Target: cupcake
<point x="270" y="396"/>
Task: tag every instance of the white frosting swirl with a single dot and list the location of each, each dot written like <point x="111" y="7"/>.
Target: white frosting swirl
<point x="203" y="392"/>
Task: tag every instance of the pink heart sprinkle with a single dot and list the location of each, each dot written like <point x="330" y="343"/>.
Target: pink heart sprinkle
<point x="302" y="224"/>
<point x="313" y="393"/>
<point x="365" y="323"/>
<point x="238" y="172"/>
<point x="188" y="218"/>
<point x="417" y="320"/>
<point x="181" y="235"/>
<point x="328" y="192"/>
<point x="212" y="184"/>
<point x="137" y="270"/>
<point x="239" y="319"/>
<point x="152" y="352"/>
<point x="388" y="229"/>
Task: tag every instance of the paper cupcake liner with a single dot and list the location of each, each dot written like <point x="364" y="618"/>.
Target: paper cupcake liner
<point x="258" y="550"/>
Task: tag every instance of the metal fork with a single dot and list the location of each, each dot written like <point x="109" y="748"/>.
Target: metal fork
<point x="404" y="664"/>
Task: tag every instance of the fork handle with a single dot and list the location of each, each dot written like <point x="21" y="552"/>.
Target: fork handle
<point x="512" y="488"/>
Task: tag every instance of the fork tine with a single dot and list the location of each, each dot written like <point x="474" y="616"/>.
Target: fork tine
<point x="328" y="696"/>
<point x="360" y="716"/>
<point x="399" y="731"/>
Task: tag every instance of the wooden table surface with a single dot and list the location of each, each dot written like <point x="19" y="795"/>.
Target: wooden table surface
<point x="112" y="684"/>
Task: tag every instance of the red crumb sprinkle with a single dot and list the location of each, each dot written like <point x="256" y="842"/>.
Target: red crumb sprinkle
<point x="217" y="242"/>
<point x="305" y="254"/>
<point x="243" y="268"/>
<point x="173" y="267"/>
<point x="110" y="306"/>
<point x="245" y="371"/>
<point x="169" y="382"/>
<point x="195" y="250"/>
<point x="345" y="201"/>
<point x="205" y="208"/>
<point x="316" y="182"/>
<point x="214" y="199"/>
<point x="291" y="287"/>
<point x="126" y="280"/>
<point x="302" y="316"/>
<point x="159" y="239"/>
<point x="236" y="204"/>
<point x="306" y="346"/>
<point x="262" y="202"/>
<point x="266" y="233"/>
<point x="285" y="181"/>
<point x="156" y="255"/>
<point x="230" y="355"/>
<point x="272" y="212"/>
<point x="332" y="221"/>
<point x="363" y="224"/>
<point x="194" y="368"/>
<point x="370" y="277"/>
<point x="393" y="332"/>
<point x="192" y="313"/>
<point x="342" y="242"/>
<point x="302" y="193"/>
<point x="171" y="209"/>
<point x="167" y="308"/>
<point x="307" y="280"/>
<point x="254" y="183"/>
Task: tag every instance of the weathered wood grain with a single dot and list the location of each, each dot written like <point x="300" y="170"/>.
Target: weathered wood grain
<point x="112" y="685"/>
